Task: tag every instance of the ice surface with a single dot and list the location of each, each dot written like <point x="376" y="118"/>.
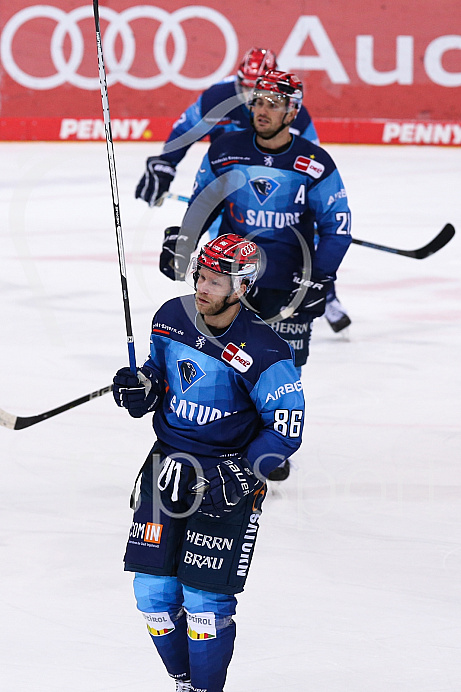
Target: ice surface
<point x="355" y="585"/>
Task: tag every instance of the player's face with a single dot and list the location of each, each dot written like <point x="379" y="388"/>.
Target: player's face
<point x="268" y="114"/>
<point x="211" y="291"/>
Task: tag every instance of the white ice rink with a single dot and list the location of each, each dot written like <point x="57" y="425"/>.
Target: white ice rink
<point x="356" y="581"/>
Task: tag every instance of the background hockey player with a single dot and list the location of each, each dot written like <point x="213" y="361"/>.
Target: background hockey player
<point x="282" y="190"/>
<point x="223" y="108"/>
<point x="228" y="407"/>
<point x="220" y="109"/>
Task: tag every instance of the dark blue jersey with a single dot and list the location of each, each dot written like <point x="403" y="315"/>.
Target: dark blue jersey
<point x="221" y="109"/>
<point x="281" y="200"/>
<point x="238" y="393"/>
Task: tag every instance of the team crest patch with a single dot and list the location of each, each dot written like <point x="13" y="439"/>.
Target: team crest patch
<point x="239" y="360"/>
<point x="312" y="168"/>
<point x="189" y="373"/>
<point x="263" y="187"/>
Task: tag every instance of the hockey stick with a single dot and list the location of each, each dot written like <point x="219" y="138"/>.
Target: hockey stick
<point x="18" y="422"/>
<point x="172" y="195"/>
<point x="114" y="187"/>
<point x="436" y="244"/>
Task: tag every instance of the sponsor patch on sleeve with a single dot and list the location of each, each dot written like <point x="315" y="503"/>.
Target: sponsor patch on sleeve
<point x="236" y="357"/>
<point x="309" y="166"/>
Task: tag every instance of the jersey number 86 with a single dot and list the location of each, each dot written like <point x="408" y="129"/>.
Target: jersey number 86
<point x="288" y="422"/>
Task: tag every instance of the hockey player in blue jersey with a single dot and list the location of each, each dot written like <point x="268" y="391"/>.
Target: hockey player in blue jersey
<point x="228" y="406"/>
<point x="221" y="109"/>
<point x="281" y="190"/>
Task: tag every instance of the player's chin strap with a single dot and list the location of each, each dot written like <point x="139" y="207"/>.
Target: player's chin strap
<point x="226" y="305"/>
<point x="282" y="126"/>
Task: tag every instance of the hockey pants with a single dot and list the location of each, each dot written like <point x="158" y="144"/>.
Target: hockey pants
<point x="193" y="630"/>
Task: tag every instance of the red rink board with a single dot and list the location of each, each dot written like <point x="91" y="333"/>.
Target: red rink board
<point x="373" y="131"/>
<point x="380" y="73"/>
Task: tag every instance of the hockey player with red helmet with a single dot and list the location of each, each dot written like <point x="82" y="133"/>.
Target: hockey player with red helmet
<point x="283" y="191"/>
<point x="221" y="108"/>
<point x="228" y="406"/>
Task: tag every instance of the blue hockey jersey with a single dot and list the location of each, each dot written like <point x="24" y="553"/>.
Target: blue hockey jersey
<point x="281" y="200"/>
<point x="237" y="393"/>
<point x="221" y="109"/>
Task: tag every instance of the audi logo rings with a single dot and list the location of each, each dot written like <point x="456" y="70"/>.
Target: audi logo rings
<point x="119" y="25"/>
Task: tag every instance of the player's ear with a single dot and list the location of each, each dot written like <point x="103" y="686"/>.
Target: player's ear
<point x="241" y="290"/>
<point x="291" y="115"/>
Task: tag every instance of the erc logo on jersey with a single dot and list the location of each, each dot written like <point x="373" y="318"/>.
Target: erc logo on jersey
<point x="305" y="165"/>
<point x="263" y="188"/>
<point x="239" y="360"/>
<point x="189" y="373"/>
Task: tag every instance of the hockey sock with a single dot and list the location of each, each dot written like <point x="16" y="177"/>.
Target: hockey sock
<point x="211" y="635"/>
<point x="331" y="292"/>
<point x="173" y="649"/>
<point x="210" y="658"/>
<point x="160" y="601"/>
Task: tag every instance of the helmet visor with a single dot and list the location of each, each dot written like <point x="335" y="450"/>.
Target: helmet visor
<point x="203" y="279"/>
<point x="275" y="100"/>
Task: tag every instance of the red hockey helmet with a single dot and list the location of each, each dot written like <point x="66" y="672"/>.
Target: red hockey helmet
<point x="229" y="254"/>
<point x="280" y="85"/>
<point x="255" y="63"/>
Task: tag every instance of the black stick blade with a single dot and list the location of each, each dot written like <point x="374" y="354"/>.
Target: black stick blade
<point x="440" y="240"/>
<point x="12" y="422"/>
<point x="444" y="237"/>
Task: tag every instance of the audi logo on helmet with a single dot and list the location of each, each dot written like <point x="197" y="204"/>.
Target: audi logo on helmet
<point x="281" y="84"/>
<point x="119" y="29"/>
<point x="249" y="249"/>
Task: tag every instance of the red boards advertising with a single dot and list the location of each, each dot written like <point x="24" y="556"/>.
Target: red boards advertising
<point x="384" y="72"/>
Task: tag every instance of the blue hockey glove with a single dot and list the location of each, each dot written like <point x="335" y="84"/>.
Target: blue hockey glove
<point x="156" y="180"/>
<point x="139" y="394"/>
<point x="314" y="296"/>
<point x="223" y="486"/>
<point x="173" y="263"/>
